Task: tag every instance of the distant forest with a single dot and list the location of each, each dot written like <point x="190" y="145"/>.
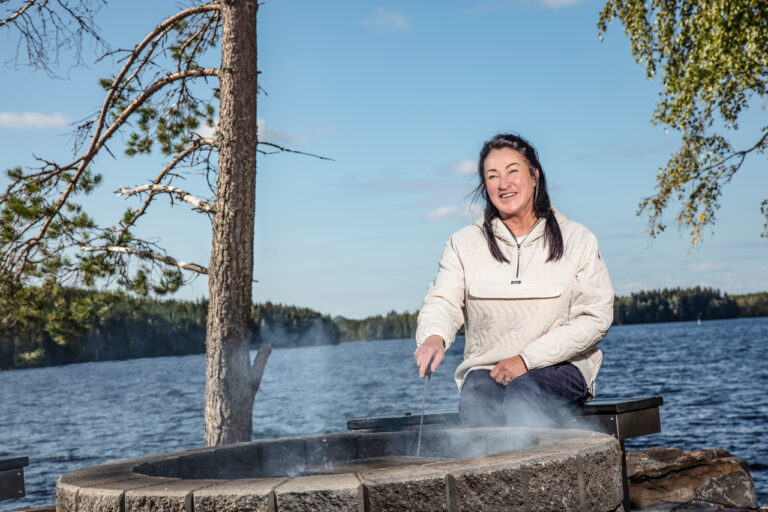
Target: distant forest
<point x="126" y="327"/>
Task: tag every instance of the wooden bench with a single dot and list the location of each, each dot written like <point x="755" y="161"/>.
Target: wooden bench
<point x="623" y="418"/>
<point x="12" y="478"/>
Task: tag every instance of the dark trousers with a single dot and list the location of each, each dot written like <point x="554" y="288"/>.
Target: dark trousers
<point x="543" y="397"/>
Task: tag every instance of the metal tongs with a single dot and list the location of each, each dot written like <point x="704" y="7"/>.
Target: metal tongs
<point x="427" y="373"/>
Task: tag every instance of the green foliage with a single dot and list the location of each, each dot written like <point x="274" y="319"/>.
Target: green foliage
<point x="57" y="325"/>
<point x="392" y="326"/>
<point x="713" y="57"/>
<point x="139" y="284"/>
<point x="675" y="305"/>
<point x="291" y="326"/>
<point x="47" y="237"/>
<point x="752" y="304"/>
<point x="29" y="359"/>
<point x="173" y="125"/>
<point x="170" y="281"/>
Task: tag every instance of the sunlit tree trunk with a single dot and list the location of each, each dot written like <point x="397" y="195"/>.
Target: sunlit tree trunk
<point x="231" y="379"/>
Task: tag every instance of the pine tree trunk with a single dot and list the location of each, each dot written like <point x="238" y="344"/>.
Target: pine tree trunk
<point x="230" y="380"/>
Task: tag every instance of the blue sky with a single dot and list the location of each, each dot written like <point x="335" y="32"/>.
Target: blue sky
<point x="401" y="95"/>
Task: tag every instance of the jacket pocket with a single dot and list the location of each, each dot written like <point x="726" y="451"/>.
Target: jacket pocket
<point x="520" y="290"/>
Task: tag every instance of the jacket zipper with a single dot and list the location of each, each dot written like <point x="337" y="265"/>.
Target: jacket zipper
<point x="519" y="251"/>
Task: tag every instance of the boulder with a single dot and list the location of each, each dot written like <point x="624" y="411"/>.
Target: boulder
<point x="668" y="475"/>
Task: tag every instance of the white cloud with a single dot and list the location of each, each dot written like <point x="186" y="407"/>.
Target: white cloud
<point x="469" y="211"/>
<point x="206" y="131"/>
<point x="275" y="136"/>
<point x="265" y="133"/>
<point x="442" y="212"/>
<point x="31" y="120"/>
<point x="465" y="167"/>
<point x="384" y="19"/>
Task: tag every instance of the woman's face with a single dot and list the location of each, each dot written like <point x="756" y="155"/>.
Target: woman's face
<point x="510" y="183"/>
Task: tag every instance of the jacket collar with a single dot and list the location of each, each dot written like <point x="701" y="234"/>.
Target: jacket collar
<point x="502" y="232"/>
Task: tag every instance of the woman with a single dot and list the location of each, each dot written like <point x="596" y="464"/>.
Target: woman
<point x="531" y="289"/>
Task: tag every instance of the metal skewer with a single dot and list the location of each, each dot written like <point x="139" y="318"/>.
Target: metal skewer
<point x="427" y="373"/>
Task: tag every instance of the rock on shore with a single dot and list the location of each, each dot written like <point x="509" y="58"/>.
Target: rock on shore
<point x="711" y="479"/>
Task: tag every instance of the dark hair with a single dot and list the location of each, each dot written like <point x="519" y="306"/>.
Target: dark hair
<point x="542" y="207"/>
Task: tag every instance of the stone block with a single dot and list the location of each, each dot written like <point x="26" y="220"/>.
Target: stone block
<point x="91" y="499"/>
<point x="247" y="495"/>
<point x="420" y="488"/>
<point x="341" y="492"/>
<point x="601" y="475"/>
<point x="553" y="483"/>
<point x="110" y="497"/>
<point x="330" y="450"/>
<point x="487" y="484"/>
<point x="173" y="496"/>
<point x="66" y="496"/>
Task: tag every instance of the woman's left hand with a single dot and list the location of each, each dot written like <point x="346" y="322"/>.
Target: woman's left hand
<point x="508" y="370"/>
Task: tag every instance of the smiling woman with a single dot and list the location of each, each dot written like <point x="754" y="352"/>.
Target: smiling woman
<point x="532" y="291"/>
<point x="510" y="184"/>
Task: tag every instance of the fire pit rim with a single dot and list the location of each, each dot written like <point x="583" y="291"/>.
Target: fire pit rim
<point x="120" y="479"/>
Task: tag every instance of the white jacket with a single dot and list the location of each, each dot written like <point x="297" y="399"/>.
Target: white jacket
<point x="545" y="312"/>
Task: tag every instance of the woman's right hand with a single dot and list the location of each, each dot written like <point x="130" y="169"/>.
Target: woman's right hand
<point x="433" y="349"/>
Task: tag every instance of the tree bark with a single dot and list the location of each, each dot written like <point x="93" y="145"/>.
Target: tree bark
<point x="231" y="380"/>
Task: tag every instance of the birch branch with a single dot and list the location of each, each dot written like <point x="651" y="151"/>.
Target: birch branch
<point x="17" y="13"/>
<point x="182" y="195"/>
<point x="193" y="267"/>
<point x="197" y="144"/>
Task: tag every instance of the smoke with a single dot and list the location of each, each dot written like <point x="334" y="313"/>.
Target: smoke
<point x="313" y="333"/>
<point x="463" y="443"/>
<point x="528" y="415"/>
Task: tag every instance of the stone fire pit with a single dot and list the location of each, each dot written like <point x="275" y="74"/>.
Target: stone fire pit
<point x="459" y="469"/>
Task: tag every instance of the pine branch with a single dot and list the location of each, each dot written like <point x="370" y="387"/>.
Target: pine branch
<point x="283" y="149"/>
<point x="150" y="255"/>
<point x="97" y="144"/>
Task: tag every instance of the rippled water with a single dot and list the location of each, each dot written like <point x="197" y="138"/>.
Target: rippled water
<point x="713" y="379"/>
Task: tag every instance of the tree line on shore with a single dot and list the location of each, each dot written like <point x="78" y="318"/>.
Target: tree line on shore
<point x="124" y="327"/>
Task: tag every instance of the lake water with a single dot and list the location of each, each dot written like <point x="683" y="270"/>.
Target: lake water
<point x="713" y="378"/>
